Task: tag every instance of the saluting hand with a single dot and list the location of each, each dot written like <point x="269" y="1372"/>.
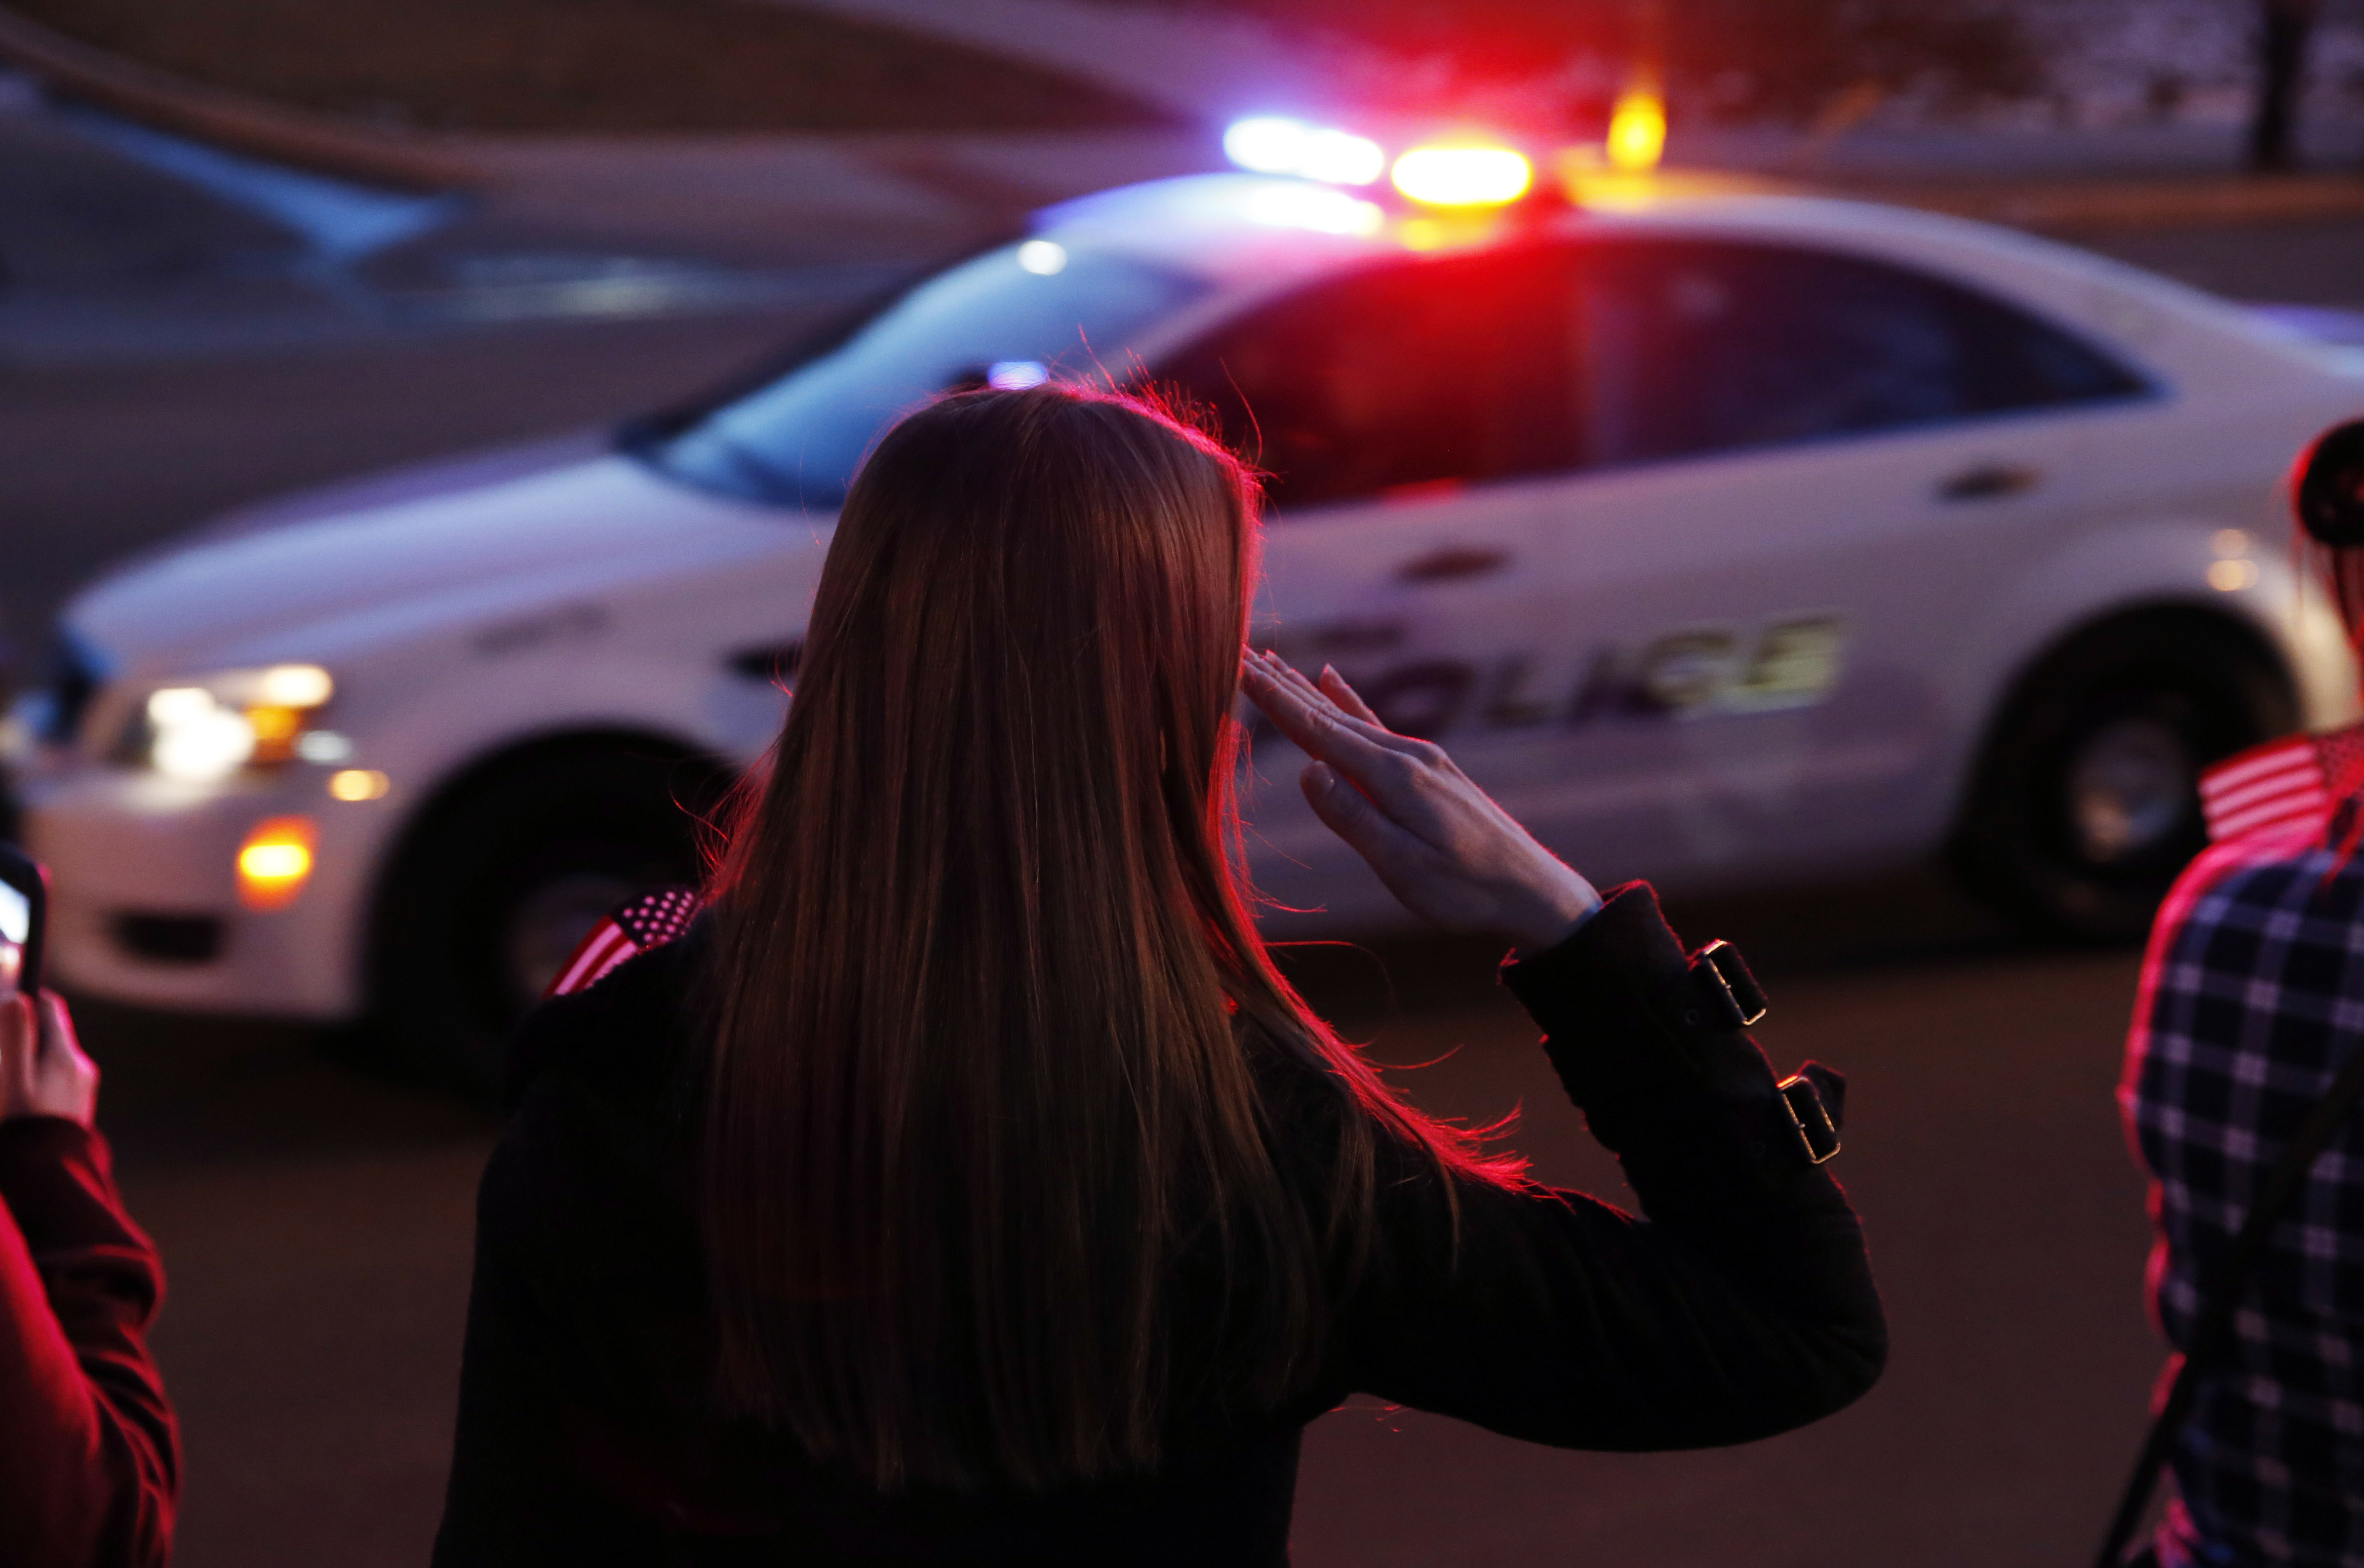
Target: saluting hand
<point x="1438" y="842"/>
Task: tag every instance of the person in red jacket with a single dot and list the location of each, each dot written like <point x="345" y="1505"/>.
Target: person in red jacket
<point x="90" y="1458"/>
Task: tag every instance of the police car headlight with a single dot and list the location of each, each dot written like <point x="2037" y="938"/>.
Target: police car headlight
<point x="209" y="728"/>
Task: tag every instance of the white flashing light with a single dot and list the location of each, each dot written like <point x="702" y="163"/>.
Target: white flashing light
<point x="180" y="705"/>
<point x="1342" y="157"/>
<point x="1042" y="257"/>
<point x="1315" y="207"/>
<point x="1273" y="144"/>
<point x="1267" y="144"/>
<point x="1016" y="375"/>
<point x="1463" y="176"/>
<point x="200" y="733"/>
<point x="295" y="685"/>
<point x="197" y="744"/>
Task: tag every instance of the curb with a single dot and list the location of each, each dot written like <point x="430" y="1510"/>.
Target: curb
<point x="230" y="119"/>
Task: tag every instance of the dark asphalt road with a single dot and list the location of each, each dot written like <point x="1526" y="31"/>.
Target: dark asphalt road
<point x="2007" y="1229"/>
<point x="316" y="1218"/>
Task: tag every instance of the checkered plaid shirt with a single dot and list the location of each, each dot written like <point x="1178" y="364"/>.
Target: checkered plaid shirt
<point x="2252" y="999"/>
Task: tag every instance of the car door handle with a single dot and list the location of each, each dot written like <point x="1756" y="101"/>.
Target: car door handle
<point x="1988" y="482"/>
<point x="1453" y="561"/>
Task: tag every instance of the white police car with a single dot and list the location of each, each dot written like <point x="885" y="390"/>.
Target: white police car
<point x="1726" y="538"/>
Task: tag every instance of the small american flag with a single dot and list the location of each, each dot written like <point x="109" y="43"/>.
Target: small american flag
<point x="646" y="922"/>
<point x="2283" y="786"/>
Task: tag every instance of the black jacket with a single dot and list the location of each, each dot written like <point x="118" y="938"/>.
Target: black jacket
<point x="1742" y="1308"/>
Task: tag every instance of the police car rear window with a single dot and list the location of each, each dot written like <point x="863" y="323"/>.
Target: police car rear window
<point x="1012" y="316"/>
<point x="1692" y="348"/>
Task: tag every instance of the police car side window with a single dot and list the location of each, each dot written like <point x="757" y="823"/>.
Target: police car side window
<point x="1415" y="375"/>
<point x="1693" y="348"/>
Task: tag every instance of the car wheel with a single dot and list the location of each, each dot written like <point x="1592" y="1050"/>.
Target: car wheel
<point x="2087" y="803"/>
<point x="498" y="885"/>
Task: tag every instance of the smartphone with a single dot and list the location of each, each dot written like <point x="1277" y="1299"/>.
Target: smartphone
<point x="23" y="911"/>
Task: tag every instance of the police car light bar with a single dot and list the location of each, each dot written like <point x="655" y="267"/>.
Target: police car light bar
<point x="1275" y="144"/>
<point x="1450" y="175"/>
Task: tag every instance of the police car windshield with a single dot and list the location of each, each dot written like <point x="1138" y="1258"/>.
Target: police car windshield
<point x="1011" y="317"/>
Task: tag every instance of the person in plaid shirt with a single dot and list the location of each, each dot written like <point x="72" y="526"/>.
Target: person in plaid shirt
<point x="2251" y="1001"/>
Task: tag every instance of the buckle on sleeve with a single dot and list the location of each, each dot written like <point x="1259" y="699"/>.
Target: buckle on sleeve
<point x="1817" y="1134"/>
<point x="1724" y="982"/>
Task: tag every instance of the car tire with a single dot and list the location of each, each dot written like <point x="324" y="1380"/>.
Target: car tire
<point x="2086" y="804"/>
<point x="499" y="883"/>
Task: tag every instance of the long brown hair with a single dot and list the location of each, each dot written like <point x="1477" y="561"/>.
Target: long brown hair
<point x="994" y="1036"/>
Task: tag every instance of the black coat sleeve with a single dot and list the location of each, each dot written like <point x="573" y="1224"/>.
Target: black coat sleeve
<point x="1742" y="1307"/>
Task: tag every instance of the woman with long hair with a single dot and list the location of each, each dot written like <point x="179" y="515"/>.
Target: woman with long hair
<point x="967" y="1184"/>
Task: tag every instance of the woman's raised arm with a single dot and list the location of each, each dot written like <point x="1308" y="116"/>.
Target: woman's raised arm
<point x="1743" y="1305"/>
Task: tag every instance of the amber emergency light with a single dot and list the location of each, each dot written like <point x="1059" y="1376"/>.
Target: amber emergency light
<point x="1469" y="176"/>
<point x="275" y="861"/>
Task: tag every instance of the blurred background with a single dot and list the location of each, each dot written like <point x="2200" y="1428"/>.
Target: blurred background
<point x="251" y="246"/>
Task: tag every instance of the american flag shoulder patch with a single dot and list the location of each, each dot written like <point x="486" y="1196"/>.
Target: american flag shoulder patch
<point x="649" y="921"/>
<point x="2283" y="786"/>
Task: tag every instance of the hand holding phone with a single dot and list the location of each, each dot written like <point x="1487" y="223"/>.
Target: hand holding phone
<point x="42" y="1069"/>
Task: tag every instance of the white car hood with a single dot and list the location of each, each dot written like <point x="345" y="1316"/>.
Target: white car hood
<point x="459" y="555"/>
